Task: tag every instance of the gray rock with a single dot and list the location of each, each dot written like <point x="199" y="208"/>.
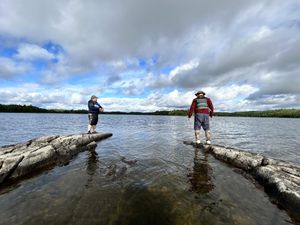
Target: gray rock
<point x="117" y="170"/>
<point x="91" y="145"/>
<point x="8" y="166"/>
<point x="22" y="159"/>
<point x="129" y="162"/>
<point x="265" y="161"/>
<point x="241" y="159"/>
<point x="35" y="160"/>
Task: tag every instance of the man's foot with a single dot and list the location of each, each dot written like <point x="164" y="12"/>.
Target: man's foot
<point x="198" y="142"/>
<point x="208" y="142"/>
<point x="94" y="132"/>
<point x="89" y="132"/>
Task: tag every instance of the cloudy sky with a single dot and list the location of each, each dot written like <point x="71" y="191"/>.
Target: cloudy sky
<point x="140" y="55"/>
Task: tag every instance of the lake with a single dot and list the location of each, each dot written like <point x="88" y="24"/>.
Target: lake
<point x="167" y="182"/>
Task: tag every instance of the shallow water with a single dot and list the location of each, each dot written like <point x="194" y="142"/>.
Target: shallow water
<point x="145" y="174"/>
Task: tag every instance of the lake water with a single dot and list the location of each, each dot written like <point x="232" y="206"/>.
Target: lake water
<point x="170" y="182"/>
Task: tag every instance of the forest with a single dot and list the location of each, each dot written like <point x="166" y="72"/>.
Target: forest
<point x="285" y="113"/>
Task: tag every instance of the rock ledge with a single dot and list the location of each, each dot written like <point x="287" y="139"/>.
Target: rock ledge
<point x="281" y="180"/>
<point x="19" y="160"/>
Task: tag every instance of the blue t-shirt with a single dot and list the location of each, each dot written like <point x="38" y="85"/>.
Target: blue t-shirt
<point x="94" y="107"/>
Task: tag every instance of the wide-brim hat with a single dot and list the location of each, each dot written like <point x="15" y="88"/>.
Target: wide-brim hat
<point x="200" y="92"/>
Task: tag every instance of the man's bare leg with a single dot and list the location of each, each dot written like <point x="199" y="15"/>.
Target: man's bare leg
<point x="197" y="136"/>
<point x="208" y="136"/>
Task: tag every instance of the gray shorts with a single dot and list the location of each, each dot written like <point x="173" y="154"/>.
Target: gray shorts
<point x="201" y="120"/>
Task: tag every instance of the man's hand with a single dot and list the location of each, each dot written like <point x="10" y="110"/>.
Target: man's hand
<point x="101" y="109"/>
<point x="211" y="114"/>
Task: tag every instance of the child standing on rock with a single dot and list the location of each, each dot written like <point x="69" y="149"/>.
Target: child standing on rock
<point x="94" y="109"/>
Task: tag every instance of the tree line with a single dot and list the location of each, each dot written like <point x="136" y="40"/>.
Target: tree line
<point x="286" y="113"/>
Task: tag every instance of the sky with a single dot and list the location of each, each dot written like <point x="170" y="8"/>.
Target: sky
<point x="139" y="55"/>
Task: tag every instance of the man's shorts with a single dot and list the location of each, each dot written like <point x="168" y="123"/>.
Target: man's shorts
<point x="201" y="120"/>
<point x="93" y="119"/>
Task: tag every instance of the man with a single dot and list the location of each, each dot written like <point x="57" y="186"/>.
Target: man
<point x="202" y="107"/>
<point x="94" y="109"/>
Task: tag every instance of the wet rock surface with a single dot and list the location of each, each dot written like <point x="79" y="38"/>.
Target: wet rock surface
<point x="281" y="180"/>
<point x="20" y="160"/>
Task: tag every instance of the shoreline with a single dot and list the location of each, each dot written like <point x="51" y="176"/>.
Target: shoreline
<point x="149" y="114"/>
<point x="275" y="113"/>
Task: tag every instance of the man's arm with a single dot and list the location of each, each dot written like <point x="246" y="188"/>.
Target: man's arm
<point x="210" y="106"/>
<point x="101" y="109"/>
<point x="99" y="106"/>
<point x="192" y="108"/>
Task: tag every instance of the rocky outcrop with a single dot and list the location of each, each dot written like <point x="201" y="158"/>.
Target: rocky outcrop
<point x="22" y="159"/>
<point x="280" y="179"/>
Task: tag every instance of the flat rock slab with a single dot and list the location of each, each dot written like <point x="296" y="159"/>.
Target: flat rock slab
<point x="22" y="159"/>
<point x="280" y="179"/>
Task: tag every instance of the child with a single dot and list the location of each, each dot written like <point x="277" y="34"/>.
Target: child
<point x="94" y="109"/>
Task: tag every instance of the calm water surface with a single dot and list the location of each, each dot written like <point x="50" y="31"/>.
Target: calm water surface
<point x="144" y="174"/>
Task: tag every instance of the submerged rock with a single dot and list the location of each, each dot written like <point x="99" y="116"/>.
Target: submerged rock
<point x="280" y="179"/>
<point x="22" y="159"/>
<point x="119" y="169"/>
<point x="129" y="162"/>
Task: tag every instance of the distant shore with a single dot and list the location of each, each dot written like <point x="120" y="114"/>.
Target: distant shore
<point x="281" y="113"/>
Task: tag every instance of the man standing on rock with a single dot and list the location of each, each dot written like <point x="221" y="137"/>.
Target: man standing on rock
<point x="202" y="108"/>
<point x="94" y="109"/>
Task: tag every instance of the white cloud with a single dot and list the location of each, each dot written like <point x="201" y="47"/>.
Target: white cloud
<point x="76" y="97"/>
<point x="271" y="102"/>
<point x="231" y="92"/>
<point x="262" y="33"/>
<point x="33" y="52"/>
<point x="234" y="50"/>
<point x="184" y="68"/>
<point x="107" y="30"/>
<point x="9" y="68"/>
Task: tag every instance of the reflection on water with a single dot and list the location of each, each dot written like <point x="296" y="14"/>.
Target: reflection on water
<point x="201" y="175"/>
<point x="92" y="166"/>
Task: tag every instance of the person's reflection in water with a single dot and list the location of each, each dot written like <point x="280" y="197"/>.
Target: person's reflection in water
<point x="92" y="166"/>
<point x="201" y="174"/>
<point x="140" y="205"/>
